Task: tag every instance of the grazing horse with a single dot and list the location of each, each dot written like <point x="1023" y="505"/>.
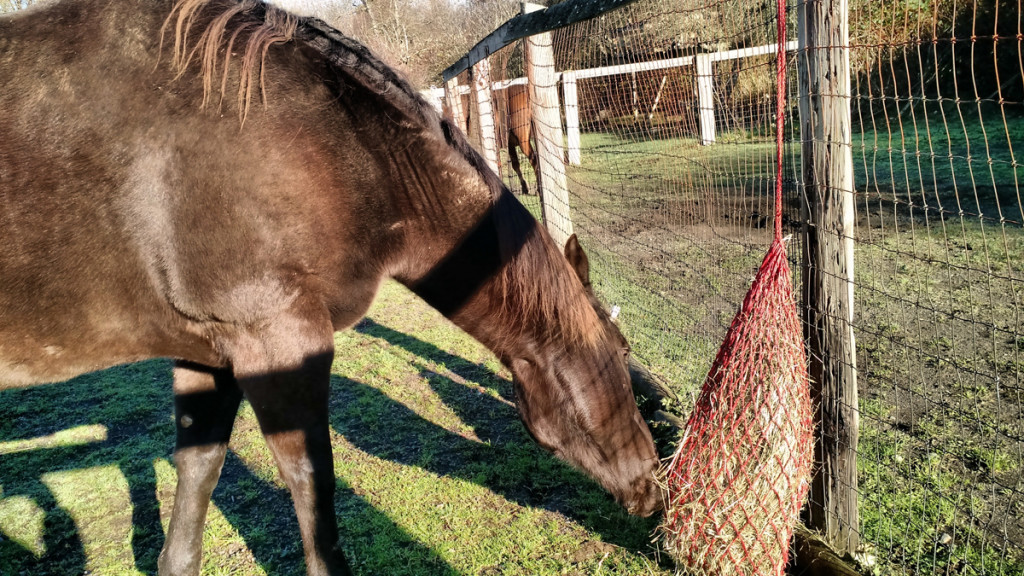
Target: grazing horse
<point x="225" y="184"/>
<point x="519" y="123"/>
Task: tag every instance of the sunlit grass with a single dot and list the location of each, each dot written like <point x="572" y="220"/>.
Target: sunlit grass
<point x="21" y="521"/>
<point x="68" y="437"/>
<point x="98" y="502"/>
<point x="938" y="300"/>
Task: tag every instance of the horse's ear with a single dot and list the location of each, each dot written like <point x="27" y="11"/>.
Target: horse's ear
<point x="578" y="259"/>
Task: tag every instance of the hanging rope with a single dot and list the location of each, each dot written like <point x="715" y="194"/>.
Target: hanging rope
<point x="780" y="111"/>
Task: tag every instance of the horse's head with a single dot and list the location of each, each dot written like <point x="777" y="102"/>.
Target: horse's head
<point x="577" y="402"/>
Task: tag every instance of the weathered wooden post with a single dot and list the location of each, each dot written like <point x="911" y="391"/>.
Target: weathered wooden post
<point x="636" y="97"/>
<point x="485" y="112"/>
<point x="572" y="117"/>
<point x="453" y="102"/>
<point x="824" y="74"/>
<point x="547" y="132"/>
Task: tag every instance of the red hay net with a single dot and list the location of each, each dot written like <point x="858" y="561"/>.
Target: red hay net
<point x="738" y="480"/>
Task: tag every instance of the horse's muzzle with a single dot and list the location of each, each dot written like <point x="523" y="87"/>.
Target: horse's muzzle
<point x="647" y="501"/>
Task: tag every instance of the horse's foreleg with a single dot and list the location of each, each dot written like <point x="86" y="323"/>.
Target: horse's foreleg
<point x="205" y="403"/>
<point x="532" y="155"/>
<point x="288" y="389"/>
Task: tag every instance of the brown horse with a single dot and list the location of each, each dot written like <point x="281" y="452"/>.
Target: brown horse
<point x="519" y="124"/>
<point x="515" y="125"/>
<point x="222" y="183"/>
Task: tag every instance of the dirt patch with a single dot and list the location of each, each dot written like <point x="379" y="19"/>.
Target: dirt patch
<point x="591" y="549"/>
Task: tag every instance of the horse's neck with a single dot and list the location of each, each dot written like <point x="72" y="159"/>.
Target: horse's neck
<point x="472" y="269"/>
<point x="471" y="250"/>
<point x="506" y="284"/>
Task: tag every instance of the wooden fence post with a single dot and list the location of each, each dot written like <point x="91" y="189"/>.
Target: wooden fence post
<point x="706" y="98"/>
<point x="547" y="132"/>
<point x="453" y="101"/>
<point x="636" y="97"/>
<point x="485" y="112"/>
<point x="827" y="168"/>
<point x="572" y="117"/>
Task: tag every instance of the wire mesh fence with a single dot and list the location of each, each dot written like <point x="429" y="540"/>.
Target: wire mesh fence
<point x="652" y="204"/>
<point x="936" y="108"/>
<point x="670" y="181"/>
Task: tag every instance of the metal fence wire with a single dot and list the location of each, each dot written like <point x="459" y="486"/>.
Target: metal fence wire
<point x="670" y="179"/>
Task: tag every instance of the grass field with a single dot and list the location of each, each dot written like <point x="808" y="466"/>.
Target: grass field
<point x="941" y="446"/>
<point x="938" y="303"/>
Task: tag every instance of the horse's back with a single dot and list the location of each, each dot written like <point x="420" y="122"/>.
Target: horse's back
<point x="139" y="223"/>
<point x="134" y="223"/>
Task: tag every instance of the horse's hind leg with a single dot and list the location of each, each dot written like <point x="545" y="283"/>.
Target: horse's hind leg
<point x="205" y="403"/>
<point x="513" y="158"/>
<point x="285" y="375"/>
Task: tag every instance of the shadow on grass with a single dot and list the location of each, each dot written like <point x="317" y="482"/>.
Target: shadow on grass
<point x="505" y="460"/>
<point x="134" y="403"/>
<point x="135" y="424"/>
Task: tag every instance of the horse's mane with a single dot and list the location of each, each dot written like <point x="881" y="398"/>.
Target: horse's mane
<point x="208" y="30"/>
<point x="263" y="24"/>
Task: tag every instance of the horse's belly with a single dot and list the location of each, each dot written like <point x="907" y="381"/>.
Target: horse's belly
<point x="26" y="360"/>
<point x="45" y="356"/>
<point x="15" y="373"/>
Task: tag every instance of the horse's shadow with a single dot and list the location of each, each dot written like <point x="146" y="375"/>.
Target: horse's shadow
<point x="140" y="431"/>
<point x="547" y="483"/>
<point x="145" y="424"/>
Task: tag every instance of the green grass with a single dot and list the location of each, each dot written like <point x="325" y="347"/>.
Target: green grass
<point x="940" y="435"/>
<point x="636" y="204"/>
<point x="933" y="157"/>
<point x="435" y="473"/>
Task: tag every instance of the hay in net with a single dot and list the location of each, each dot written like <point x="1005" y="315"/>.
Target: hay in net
<point x="739" y="476"/>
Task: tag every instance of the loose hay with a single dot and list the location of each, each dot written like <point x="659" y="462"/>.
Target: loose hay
<point x="739" y="476"/>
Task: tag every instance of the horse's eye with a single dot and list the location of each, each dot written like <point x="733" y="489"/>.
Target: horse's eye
<point x="625" y="352"/>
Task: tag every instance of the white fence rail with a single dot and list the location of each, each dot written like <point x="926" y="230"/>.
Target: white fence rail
<point x="570" y="105"/>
